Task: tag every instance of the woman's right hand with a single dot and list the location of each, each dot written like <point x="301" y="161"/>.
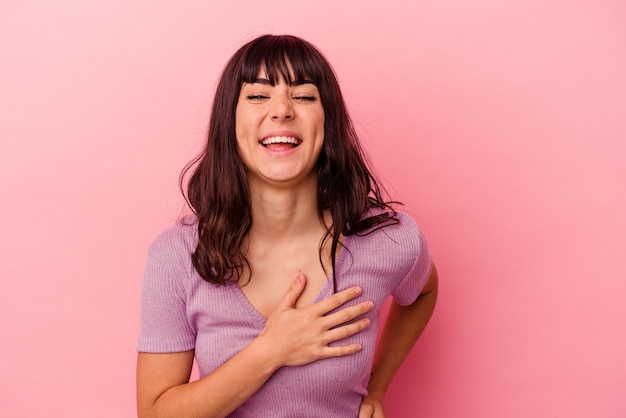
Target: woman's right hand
<point x="299" y="336"/>
<point x="291" y="337"/>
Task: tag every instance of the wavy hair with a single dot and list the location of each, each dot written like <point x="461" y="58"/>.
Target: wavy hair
<point x="217" y="191"/>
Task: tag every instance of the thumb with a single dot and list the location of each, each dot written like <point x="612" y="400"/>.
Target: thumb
<point x="292" y="294"/>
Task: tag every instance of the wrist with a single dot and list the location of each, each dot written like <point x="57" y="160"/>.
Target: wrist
<point x="376" y="394"/>
<point x="266" y="354"/>
<point x="377" y="388"/>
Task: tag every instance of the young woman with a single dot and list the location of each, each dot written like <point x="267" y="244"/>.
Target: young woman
<point x="275" y="283"/>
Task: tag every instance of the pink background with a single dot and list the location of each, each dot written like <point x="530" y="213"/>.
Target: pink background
<point x="500" y="124"/>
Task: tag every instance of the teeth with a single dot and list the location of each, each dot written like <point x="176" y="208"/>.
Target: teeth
<point x="280" y="140"/>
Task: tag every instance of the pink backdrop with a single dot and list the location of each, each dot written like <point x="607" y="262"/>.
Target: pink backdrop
<point x="500" y="125"/>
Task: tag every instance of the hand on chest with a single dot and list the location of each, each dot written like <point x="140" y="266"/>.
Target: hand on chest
<point x="275" y="267"/>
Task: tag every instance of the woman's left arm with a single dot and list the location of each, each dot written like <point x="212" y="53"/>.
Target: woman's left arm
<point x="403" y="326"/>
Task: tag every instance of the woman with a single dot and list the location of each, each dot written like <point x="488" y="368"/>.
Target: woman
<point x="276" y="281"/>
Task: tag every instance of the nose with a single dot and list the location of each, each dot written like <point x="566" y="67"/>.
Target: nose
<point x="282" y="108"/>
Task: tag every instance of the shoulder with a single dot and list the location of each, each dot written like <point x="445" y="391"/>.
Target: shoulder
<point x="408" y="228"/>
<point x="403" y="231"/>
<point x="400" y="240"/>
<point x="394" y="256"/>
<point x="174" y="245"/>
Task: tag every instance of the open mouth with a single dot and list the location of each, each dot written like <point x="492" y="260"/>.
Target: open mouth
<point x="280" y="143"/>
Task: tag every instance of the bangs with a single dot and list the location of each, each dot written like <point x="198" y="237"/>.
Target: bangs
<point x="282" y="58"/>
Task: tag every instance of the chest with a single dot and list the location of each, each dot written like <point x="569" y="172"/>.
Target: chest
<point x="226" y="318"/>
<point x="275" y="268"/>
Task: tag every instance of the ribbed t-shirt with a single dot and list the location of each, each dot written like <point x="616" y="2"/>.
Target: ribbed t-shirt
<point x="181" y="311"/>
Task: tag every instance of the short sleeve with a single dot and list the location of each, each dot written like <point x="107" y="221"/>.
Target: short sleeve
<point x="412" y="284"/>
<point x="164" y="326"/>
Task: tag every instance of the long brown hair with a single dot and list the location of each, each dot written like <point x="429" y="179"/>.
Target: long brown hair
<point x="217" y="191"/>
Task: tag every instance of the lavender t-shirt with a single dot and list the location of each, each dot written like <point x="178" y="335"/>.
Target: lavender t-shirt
<point x="181" y="311"/>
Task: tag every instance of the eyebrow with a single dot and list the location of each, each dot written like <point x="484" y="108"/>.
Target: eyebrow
<point x="263" y="81"/>
<point x="266" y="82"/>
<point x="301" y="82"/>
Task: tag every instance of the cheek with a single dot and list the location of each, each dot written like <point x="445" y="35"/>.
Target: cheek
<point x="319" y="143"/>
<point x="319" y="124"/>
<point x="240" y="135"/>
<point x="320" y="128"/>
<point x="239" y="123"/>
<point x="247" y="124"/>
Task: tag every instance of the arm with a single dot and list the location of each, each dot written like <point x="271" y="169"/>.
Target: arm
<point x="403" y="326"/>
<point x="163" y="389"/>
<point x="291" y="337"/>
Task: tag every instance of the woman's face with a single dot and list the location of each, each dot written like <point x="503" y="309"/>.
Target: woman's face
<point x="279" y="130"/>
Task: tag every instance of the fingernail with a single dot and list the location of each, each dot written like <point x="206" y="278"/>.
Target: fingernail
<point x="358" y="290"/>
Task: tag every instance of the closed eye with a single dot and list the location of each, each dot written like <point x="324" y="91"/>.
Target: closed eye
<point x="256" y="97"/>
<point x="304" y="98"/>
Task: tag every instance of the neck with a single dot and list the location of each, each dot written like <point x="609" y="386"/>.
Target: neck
<point x="284" y="213"/>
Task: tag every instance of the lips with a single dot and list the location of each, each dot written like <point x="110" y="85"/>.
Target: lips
<point x="280" y="143"/>
<point x="289" y="140"/>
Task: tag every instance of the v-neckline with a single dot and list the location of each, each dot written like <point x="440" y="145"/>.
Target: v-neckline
<point x="323" y="292"/>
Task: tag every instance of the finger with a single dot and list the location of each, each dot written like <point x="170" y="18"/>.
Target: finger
<point x="346" y="331"/>
<point x="293" y="293"/>
<point x="340" y="350"/>
<point x="348" y="314"/>
<point x="338" y="299"/>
